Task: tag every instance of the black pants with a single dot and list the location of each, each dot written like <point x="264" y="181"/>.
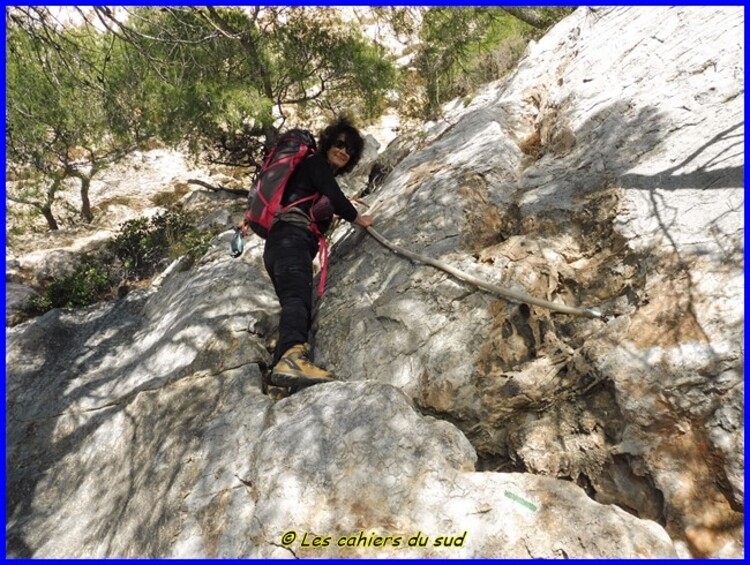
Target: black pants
<point x="288" y="256"/>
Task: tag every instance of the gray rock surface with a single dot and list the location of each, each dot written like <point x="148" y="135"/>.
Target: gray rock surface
<point x="147" y="403"/>
<point x="602" y="173"/>
<point x="373" y="467"/>
<point x="17" y="297"/>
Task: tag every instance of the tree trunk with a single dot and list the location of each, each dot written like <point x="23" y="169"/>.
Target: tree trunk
<point x="47" y="213"/>
<point x="529" y="16"/>
<point x="85" y="202"/>
<point x="271" y="135"/>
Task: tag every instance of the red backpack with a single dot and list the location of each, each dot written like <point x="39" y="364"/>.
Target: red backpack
<point x="264" y="202"/>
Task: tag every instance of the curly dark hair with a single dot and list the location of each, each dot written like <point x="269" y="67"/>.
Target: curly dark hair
<point x="353" y="139"/>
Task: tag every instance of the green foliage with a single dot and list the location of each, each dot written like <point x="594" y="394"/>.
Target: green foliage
<point x="193" y="244"/>
<point x="190" y="77"/>
<point x="454" y="42"/>
<point x="461" y="49"/>
<point x="212" y="77"/>
<point x="328" y="65"/>
<point x="61" y="122"/>
<point x="215" y="78"/>
<point x="144" y="244"/>
<point x="142" y="248"/>
<point x="133" y="247"/>
<point x="53" y="104"/>
<point x="88" y="283"/>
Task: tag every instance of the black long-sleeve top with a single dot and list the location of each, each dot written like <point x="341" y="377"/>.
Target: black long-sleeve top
<point x="314" y="175"/>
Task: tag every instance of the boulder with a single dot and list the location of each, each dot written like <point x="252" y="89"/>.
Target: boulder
<point x="601" y="173"/>
<point x="17" y="297"/>
<point x="353" y="470"/>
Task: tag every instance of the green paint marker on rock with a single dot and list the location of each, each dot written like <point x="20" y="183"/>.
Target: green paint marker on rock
<point x="521" y="501"/>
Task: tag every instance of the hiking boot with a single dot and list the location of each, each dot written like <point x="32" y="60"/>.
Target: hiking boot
<point x="294" y="369"/>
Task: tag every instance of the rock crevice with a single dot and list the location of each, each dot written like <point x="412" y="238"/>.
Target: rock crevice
<point x="600" y="173"/>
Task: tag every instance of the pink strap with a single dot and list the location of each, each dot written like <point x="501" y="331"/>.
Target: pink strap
<point x="323" y="257"/>
<point x="291" y="205"/>
<point x="323" y="265"/>
<point x="323" y="250"/>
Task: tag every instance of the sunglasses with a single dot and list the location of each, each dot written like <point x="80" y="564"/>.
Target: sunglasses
<point x="342" y="144"/>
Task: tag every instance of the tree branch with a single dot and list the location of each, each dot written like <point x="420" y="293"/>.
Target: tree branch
<point x="528" y="16"/>
<point x="219" y="188"/>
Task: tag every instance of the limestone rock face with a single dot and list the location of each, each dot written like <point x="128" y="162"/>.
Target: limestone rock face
<point x="601" y="173"/>
<point x="605" y="174"/>
<point x="125" y="420"/>
<point x="372" y="467"/>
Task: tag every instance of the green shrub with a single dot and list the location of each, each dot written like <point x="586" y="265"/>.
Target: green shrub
<point x="144" y="244"/>
<point x="134" y="248"/>
<point x="142" y="248"/>
<point x="193" y="243"/>
<point x="91" y="281"/>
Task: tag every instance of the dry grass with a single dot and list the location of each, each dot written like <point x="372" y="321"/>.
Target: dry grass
<point x="113" y="201"/>
<point x="167" y="199"/>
